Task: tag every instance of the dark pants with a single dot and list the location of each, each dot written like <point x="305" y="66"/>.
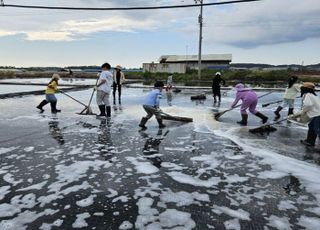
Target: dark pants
<point x="314" y="125"/>
<point x="216" y="93"/>
<point x="115" y="86"/>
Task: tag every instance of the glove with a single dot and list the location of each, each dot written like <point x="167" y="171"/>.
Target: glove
<point x="290" y="117"/>
<point x="95" y="88"/>
<point x="293" y="116"/>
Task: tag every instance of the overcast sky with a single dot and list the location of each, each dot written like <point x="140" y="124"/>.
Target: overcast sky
<point x="267" y="31"/>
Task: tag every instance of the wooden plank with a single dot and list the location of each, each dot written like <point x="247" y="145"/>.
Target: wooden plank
<point x="176" y="118"/>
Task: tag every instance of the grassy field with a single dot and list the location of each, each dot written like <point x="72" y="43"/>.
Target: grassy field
<point x="260" y="78"/>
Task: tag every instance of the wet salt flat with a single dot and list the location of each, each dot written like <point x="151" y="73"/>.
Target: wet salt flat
<point x="65" y="81"/>
<point x="70" y="171"/>
<point x="21" y="88"/>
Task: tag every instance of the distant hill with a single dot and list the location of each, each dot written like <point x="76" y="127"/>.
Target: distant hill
<point x="261" y="66"/>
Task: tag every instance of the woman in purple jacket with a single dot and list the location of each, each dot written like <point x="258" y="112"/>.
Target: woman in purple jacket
<point x="249" y="100"/>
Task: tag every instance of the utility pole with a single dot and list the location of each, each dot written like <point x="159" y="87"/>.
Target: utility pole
<point x="186" y="58"/>
<point x="200" y="20"/>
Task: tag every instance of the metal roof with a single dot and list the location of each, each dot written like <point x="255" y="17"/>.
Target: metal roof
<point x="205" y="57"/>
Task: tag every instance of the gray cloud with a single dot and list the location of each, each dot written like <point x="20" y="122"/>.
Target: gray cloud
<point x="245" y="25"/>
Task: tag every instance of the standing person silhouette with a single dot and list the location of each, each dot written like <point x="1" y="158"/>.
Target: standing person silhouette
<point x="216" y="82"/>
<point x="103" y="90"/>
<point x="118" y="79"/>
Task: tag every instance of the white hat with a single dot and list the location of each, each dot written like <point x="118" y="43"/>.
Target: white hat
<point x="118" y="66"/>
<point x="56" y="76"/>
<point x="218" y="73"/>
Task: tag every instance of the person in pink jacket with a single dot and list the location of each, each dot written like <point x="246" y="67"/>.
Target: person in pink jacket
<point x="249" y="100"/>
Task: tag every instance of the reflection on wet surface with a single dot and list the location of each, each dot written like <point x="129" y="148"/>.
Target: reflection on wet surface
<point x="70" y="171"/>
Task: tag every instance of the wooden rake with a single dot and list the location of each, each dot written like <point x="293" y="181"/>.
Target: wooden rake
<point x="88" y="110"/>
<point x="219" y="114"/>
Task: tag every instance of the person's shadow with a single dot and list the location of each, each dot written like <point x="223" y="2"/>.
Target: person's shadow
<point x="151" y="146"/>
<point x="55" y="132"/>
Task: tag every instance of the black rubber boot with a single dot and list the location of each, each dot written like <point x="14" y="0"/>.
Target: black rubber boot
<point x="108" y="108"/>
<point x="40" y="106"/>
<point x="311" y="138"/>
<point x="119" y="101"/>
<point x="262" y="117"/>
<point x="54" y="107"/>
<point x="161" y="125"/>
<point x="143" y="122"/>
<point x="277" y="113"/>
<point x="290" y="111"/>
<point x="102" y="109"/>
<point x="244" y="120"/>
<point x="114" y="101"/>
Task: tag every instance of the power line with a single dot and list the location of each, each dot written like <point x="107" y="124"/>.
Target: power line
<point x="123" y="8"/>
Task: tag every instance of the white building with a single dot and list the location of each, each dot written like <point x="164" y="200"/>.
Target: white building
<point x="180" y="63"/>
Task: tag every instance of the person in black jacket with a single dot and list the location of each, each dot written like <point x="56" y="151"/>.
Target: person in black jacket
<point x="216" y="82"/>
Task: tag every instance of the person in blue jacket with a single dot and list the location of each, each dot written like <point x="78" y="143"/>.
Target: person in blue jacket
<point x="151" y="105"/>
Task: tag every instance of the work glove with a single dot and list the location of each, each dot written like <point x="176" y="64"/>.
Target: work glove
<point x="293" y="116"/>
<point x="290" y="117"/>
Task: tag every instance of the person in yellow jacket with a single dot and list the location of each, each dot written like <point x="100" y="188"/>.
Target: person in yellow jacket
<point x="118" y="79"/>
<point x="52" y="88"/>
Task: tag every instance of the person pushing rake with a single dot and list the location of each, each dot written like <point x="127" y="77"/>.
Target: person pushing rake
<point x="310" y="113"/>
<point x="249" y="101"/>
<point x="288" y="98"/>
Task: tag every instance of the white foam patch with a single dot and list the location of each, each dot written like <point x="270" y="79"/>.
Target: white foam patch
<point x="10" y="179"/>
<point x="183" y="198"/>
<point x="80" y="221"/>
<point x="87" y="201"/>
<point x="34" y="187"/>
<point x="7" y="150"/>
<point x="126" y="225"/>
<point x="240" y="214"/>
<point x="149" y="218"/>
<point x="208" y="159"/>
<point x="309" y="223"/>
<point x="233" y="224"/>
<point x="74" y="172"/>
<point x="187" y="179"/>
<point x="23" y="219"/>
<point x="280" y="223"/>
<point x="56" y="223"/>
<point x="29" y="149"/>
<point x="174" y="218"/>
<point x="3" y="191"/>
<point x="143" y="167"/>
<point x="307" y="173"/>
<point x="286" y="205"/>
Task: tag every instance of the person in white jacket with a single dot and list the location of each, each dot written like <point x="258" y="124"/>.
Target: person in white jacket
<point x="310" y="112"/>
<point x="288" y="98"/>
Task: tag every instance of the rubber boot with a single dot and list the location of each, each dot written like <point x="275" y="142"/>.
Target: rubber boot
<point x="290" y="111"/>
<point x="311" y="138"/>
<point x="108" y="108"/>
<point x="244" y="120"/>
<point x="114" y="101"/>
<point x="54" y="107"/>
<point x="143" y="122"/>
<point x="119" y="101"/>
<point x="102" y="109"/>
<point x="161" y="125"/>
<point x="277" y="113"/>
<point x="262" y="117"/>
<point x="40" y="106"/>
